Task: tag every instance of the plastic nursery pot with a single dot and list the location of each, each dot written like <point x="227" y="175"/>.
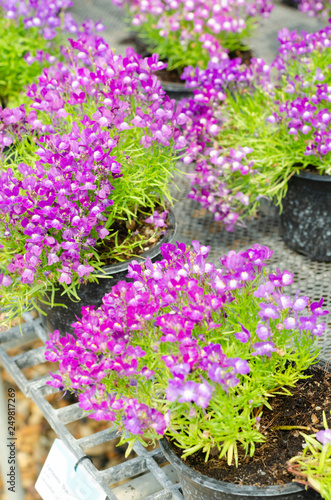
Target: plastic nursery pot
<point x="290" y="3"/>
<point x="196" y="486"/>
<point x="176" y="91"/>
<point x="306" y="219"/>
<point x="61" y="318"/>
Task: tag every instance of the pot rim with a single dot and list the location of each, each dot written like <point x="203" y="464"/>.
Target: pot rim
<point x="176" y="87"/>
<point x="151" y="253"/>
<point x="304" y="174"/>
<point x="230" y="488"/>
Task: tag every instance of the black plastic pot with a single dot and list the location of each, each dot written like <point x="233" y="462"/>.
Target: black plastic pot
<point x="196" y="486"/>
<point x="61" y="318"/>
<point x="291" y="3"/>
<point x="306" y="216"/>
<point x="176" y="91"/>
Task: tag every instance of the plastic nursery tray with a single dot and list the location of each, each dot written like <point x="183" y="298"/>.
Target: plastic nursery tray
<point x="145" y="476"/>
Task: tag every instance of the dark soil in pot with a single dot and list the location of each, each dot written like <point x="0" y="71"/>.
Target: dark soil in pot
<point x="60" y="318"/>
<point x="268" y="467"/>
<point x="306" y="215"/>
<point x="245" y="55"/>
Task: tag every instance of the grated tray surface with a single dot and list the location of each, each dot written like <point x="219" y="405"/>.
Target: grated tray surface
<point x="146" y="476"/>
<point x="311" y="278"/>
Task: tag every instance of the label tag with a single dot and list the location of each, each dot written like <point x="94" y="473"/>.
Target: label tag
<point x="59" y="480"/>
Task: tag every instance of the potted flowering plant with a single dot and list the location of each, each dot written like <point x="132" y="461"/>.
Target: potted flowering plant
<point x="30" y="38"/>
<point x="320" y="8"/>
<point x="186" y="33"/>
<point x="256" y="139"/>
<point x="196" y="353"/>
<point x="94" y="153"/>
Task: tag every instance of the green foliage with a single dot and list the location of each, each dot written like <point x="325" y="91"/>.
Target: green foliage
<point x="277" y="155"/>
<point x="230" y="421"/>
<point x="313" y="466"/>
<point x="142" y="187"/>
<point x="180" y="53"/>
<point x="15" y="42"/>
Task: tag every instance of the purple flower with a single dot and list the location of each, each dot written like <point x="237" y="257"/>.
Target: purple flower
<point x="5" y="280"/>
<point x="244" y="336"/>
<point x="284" y="301"/>
<point x="203" y="394"/>
<point x="65" y="276"/>
<point x="290" y="323"/>
<point x="27" y="276"/>
<point x="316" y="308"/>
<point x="263" y="349"/>
<point x="183" y="391"/>
<point x="264" y="291"/>
<point x="319" y="329"/>
<point x="158" y="219"/>
<point x="84" y="270"/>
<point x="307" y="322"/>
<point x="300" y="303"/>
<point x="324" y="437"/>
<point x="262" y="331"/>
<point x="200" y="249"/>
<point x="240" y="366"/>
<point x="268" y="311"/>
<point x="56" y="381"/>
<point x="223" y="377"/>
<point x="102" y="412"/>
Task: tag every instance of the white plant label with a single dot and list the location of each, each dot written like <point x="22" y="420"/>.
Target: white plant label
<point x="59" y="480"/>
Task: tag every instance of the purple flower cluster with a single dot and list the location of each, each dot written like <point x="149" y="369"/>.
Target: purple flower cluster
<point x="86" y="119"/>
<point x="296" y="91"/>
<point x="295" y="46"/>
<point x="209" y="183"/>
<point x="207" y="23"/>
<point x="309" y="114"/>
<point x="321" y="8"/>
<point x="310" y="117"/>
<point x="174" y="341"/>
<point x="93" y="74"/>
<point x="230" y="15"/>
<point x="207" y="116"/>
<point x="158" y="220"/>
<point x="32" y="33"/>
<point x="40" y="14"/>
<point x="227" y="75"/>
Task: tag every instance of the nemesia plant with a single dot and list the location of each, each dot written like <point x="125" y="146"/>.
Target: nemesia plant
<point x="313" y="466"/>
<point x="31" y="33"/>
<point x="250" y="129"/>
<point x="222" y="169"/>
<point x="190" y="350"/>
<point x="191" y="32"/>
<point x="90" y="158"/>
<point x="320" y="8"/>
